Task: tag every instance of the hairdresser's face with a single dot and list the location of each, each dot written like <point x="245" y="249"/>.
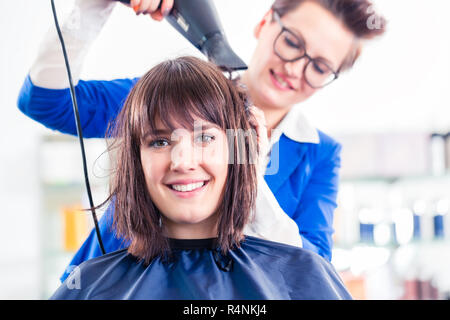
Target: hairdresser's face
<point x="185" y="173"/>
<point x="277" y="84"/>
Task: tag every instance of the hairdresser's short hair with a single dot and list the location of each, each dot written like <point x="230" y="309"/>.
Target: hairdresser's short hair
<point x="358" y="16"/>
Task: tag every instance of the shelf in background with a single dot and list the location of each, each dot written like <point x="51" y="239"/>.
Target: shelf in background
<point x="396" y="179"/>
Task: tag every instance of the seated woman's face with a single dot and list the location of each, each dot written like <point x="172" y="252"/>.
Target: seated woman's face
<point x="185" y="172"/>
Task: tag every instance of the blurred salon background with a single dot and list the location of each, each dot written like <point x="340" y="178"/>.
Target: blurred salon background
<point x="391" y="113"/>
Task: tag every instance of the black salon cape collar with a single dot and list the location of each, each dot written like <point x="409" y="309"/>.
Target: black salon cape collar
<point x="260" y="270"/>
<point x="193" y="244"/>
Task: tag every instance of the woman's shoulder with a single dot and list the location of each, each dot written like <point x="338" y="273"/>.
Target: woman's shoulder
<point x="113" y="264"/>
<point x="326" y="139"/>
<point x="107" y="258"/>
<point x="308" y="275"/>
<point x="291" y="254"/>
<point x="86" y="278"/>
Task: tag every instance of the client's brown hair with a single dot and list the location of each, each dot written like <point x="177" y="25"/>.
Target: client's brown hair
<point x="175" y="92"/>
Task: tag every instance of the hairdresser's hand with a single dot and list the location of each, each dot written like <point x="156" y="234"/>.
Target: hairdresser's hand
<point x="259" y="122"/>
<point x="151" y="7"/>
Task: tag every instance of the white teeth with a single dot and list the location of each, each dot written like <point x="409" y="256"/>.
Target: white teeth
<point x="187" y="187"/>
<point x="281" y="81"/>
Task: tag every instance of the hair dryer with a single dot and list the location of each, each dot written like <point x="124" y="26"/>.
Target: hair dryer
<point x="198" y="22"/>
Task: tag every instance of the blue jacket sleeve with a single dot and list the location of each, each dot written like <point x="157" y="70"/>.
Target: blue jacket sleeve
<point x="91" y="248"/>
<point x="314" y="214"/>
<point x="98" y="103"/>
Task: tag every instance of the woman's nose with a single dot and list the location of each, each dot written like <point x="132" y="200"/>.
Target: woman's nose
<point x="184" y="156"/>
<point x="295" y="69"/>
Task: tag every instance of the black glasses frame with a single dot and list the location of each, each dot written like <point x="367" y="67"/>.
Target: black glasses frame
<point x="277" y="18"/>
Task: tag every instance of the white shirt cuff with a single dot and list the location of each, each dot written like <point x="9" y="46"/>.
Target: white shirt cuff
<point x="79" y="30"/>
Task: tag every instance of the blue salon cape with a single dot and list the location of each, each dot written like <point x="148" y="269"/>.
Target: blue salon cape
<point x="258" y="270"/>
<point x="305" y="186"/>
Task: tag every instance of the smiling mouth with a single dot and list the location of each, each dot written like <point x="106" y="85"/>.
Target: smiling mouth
<point x="188" y="187"/>
<point x="280" y="81"/>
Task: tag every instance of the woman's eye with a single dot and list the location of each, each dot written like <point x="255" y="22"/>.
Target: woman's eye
<point x="205" y="138"/>
<point x="159" y="143"/>
<point x="291" y="42"/>
<point x="317" y="68"/>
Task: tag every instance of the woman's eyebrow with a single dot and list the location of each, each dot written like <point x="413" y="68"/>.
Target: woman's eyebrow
<point x="208" y="126"/>
<point x="162" y="132"/>
<point x="157" y="132"/>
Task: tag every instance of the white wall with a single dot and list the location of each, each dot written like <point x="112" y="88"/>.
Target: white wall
<point x="19" y="193"/>
<point x="402" y="82"/>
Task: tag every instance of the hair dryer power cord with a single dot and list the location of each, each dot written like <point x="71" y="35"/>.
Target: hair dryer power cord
<point x="79" y="131"/>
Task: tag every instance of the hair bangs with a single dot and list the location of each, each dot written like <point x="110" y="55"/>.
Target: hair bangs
<point x="183" y="97"/>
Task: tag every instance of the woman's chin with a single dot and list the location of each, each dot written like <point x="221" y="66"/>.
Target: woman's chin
<point x="270" y="99"/>
<point x="189" y="217"/>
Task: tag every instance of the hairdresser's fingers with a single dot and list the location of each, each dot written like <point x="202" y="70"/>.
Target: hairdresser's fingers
<point x="259" y="116"/>
<point x="166" y="6"/>
<point x="153" y="6"/>
<point x="259" y="122"/>
<point x="260" y="126"/>
<point x="157" y="15"/>
<point x="135" y="3"/>
<point x="147" y="6"/>
<point x="143" y="6"/>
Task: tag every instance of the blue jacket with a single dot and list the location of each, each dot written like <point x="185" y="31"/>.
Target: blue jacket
<point x="305" y="185"/>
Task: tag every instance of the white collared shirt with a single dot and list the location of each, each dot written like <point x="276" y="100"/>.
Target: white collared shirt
<point x="270" y="221"/>
<point x="296" y="127"/>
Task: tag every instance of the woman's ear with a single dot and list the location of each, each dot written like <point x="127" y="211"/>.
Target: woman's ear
<point x="265" y="20"/>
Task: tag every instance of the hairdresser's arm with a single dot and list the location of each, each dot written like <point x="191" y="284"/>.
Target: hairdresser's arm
<point x="98" y="103"/>
<point x="45" y="95"/>
<point x="315" y="212"/>
<point x="79" y="30"/>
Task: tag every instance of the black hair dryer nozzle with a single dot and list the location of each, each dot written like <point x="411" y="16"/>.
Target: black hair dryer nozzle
<point x="198" y="22"/>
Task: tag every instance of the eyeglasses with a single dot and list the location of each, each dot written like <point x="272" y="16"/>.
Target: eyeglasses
<point x="289" y="47"/>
